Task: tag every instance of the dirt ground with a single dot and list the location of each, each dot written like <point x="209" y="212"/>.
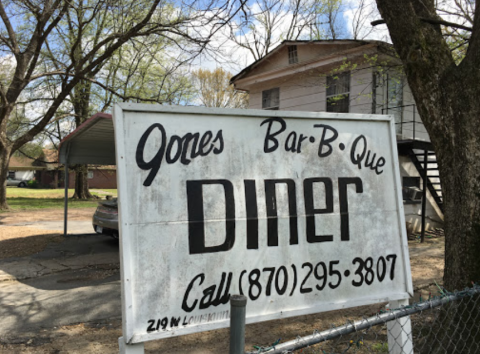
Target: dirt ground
<point x="102" y="338"/>
<point x="19" y="240"/>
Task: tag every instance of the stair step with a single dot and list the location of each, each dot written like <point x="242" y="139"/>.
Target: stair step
<point x="422" y="154"/>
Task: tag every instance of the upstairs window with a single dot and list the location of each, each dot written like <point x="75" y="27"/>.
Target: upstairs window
<point x="394" y="94"/>
<point x="292" y="54"/>
<point x="411" y="190"/>
<point x="271" y="99"/>
<point x="338" y="93"/>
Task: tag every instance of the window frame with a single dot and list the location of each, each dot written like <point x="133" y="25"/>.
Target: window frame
<point x="339" y="88"/>
<point x="269" y="99"/>
<point x="292" y="54"/>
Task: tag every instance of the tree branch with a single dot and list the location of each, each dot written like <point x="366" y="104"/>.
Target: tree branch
<point x="11" y="31"/>
<point x="431" y="21"/>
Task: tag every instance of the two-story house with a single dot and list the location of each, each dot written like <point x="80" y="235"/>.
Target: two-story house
<point x="351" y="76"/>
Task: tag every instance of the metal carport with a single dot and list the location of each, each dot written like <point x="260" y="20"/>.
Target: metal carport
<point x="93" y="142"/>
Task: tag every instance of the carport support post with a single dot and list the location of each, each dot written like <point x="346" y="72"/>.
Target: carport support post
<point x="65" y="212"/>
<point x="399" y="331"/>
<point x="137" y="348"/>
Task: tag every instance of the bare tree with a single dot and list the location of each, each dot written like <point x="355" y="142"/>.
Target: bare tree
<point x="363" y="13"/>
<point x="29" y="29"/>
<point x="263" y="24"/>
<point x="214" y="89"/>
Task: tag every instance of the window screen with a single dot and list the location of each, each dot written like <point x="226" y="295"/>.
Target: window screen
<point x="271" y="98"/>
<point x="292" y="54"/>
<point x="338" y="93"/>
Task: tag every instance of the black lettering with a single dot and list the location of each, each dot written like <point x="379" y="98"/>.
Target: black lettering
<point x="354" y="156"/>
<point x="207" y="297"/>
<point x="252" y="214"/>
<point x="151" y="327"/>
<point x="342" y="190"/>
<point x="223" y="299"/>
<point x="271" y="203"/>
<point x="174" y="322"/>
<point x="219" y="138"/>
<point x="196" y="219"/>
<point x="154" y="164"/>
<point x="324" y="142"/>
<point x="271" y="136"/>
<point x="380" y="163"/>
<point x="204" y="141"/>
<point x="300" y="140"/>
<point x="291" y="142"/>
<point x="185" y="306"/>
<point x="370" y="163"/>
<point x="186" y="140"/>
<point x="310" y="209"/>
<point x="174" y="140"/>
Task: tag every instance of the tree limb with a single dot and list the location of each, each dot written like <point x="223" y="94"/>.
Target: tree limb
<point x="431" y="21"/>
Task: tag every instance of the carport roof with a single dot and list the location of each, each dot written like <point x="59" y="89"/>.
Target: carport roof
<point x="92" y="142"/>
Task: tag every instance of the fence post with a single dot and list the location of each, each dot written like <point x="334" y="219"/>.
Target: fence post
<point x="399" y="331"/>
<point x="238" y="305"/>
<point x="137" y="348"/>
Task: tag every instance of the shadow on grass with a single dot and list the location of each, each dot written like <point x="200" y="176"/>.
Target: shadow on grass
<point x="48" y="203"/>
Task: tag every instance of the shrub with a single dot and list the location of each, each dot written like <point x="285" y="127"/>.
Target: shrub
<point x="33" y="184"/>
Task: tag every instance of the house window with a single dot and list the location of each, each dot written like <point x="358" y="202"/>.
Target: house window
<point x="411" y="182"/>
<point x="292" y="54"/>
<point x="411" y="189"/>
<point x="11" y="174"/>
<point x="338" y="93"/>
<point x="271" y="99"/>
<point x="394" y="93"/>
<point x="90" y="174"/>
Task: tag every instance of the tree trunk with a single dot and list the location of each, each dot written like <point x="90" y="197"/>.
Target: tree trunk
<point x="447" y="98"/>
<point x="81" y="103"/>
<point x="4" y="162"/>
<point x="81" y="184"/>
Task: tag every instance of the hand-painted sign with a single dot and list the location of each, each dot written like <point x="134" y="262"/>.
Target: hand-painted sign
<point x="301" y="212"/>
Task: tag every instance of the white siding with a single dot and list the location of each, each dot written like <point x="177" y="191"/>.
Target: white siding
<point x="361" y="91"/>
<point x="307" y="92"/>
<point x="411" y="115"/>
<point x="413" y="212"/>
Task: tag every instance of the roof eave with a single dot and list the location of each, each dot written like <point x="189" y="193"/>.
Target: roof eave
<point x="284" y="43"/>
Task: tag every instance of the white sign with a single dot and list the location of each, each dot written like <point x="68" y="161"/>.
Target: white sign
<point x="301" y="212"/>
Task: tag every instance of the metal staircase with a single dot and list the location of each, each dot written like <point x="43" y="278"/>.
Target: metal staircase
<point x="426" y="162"/>
<point x="423" y="157"/>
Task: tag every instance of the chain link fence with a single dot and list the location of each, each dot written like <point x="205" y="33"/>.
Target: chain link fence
<point x="447" y="323"/>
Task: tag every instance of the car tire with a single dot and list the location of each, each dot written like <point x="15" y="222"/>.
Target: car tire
<point x="22" y="184"/>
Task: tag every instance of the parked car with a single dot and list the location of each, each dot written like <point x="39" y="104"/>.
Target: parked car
<point x="105" y="218"/>
<point x="16" y="182"/>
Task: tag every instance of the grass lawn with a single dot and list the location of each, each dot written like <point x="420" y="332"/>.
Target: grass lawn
<point x="28" y="198"/>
